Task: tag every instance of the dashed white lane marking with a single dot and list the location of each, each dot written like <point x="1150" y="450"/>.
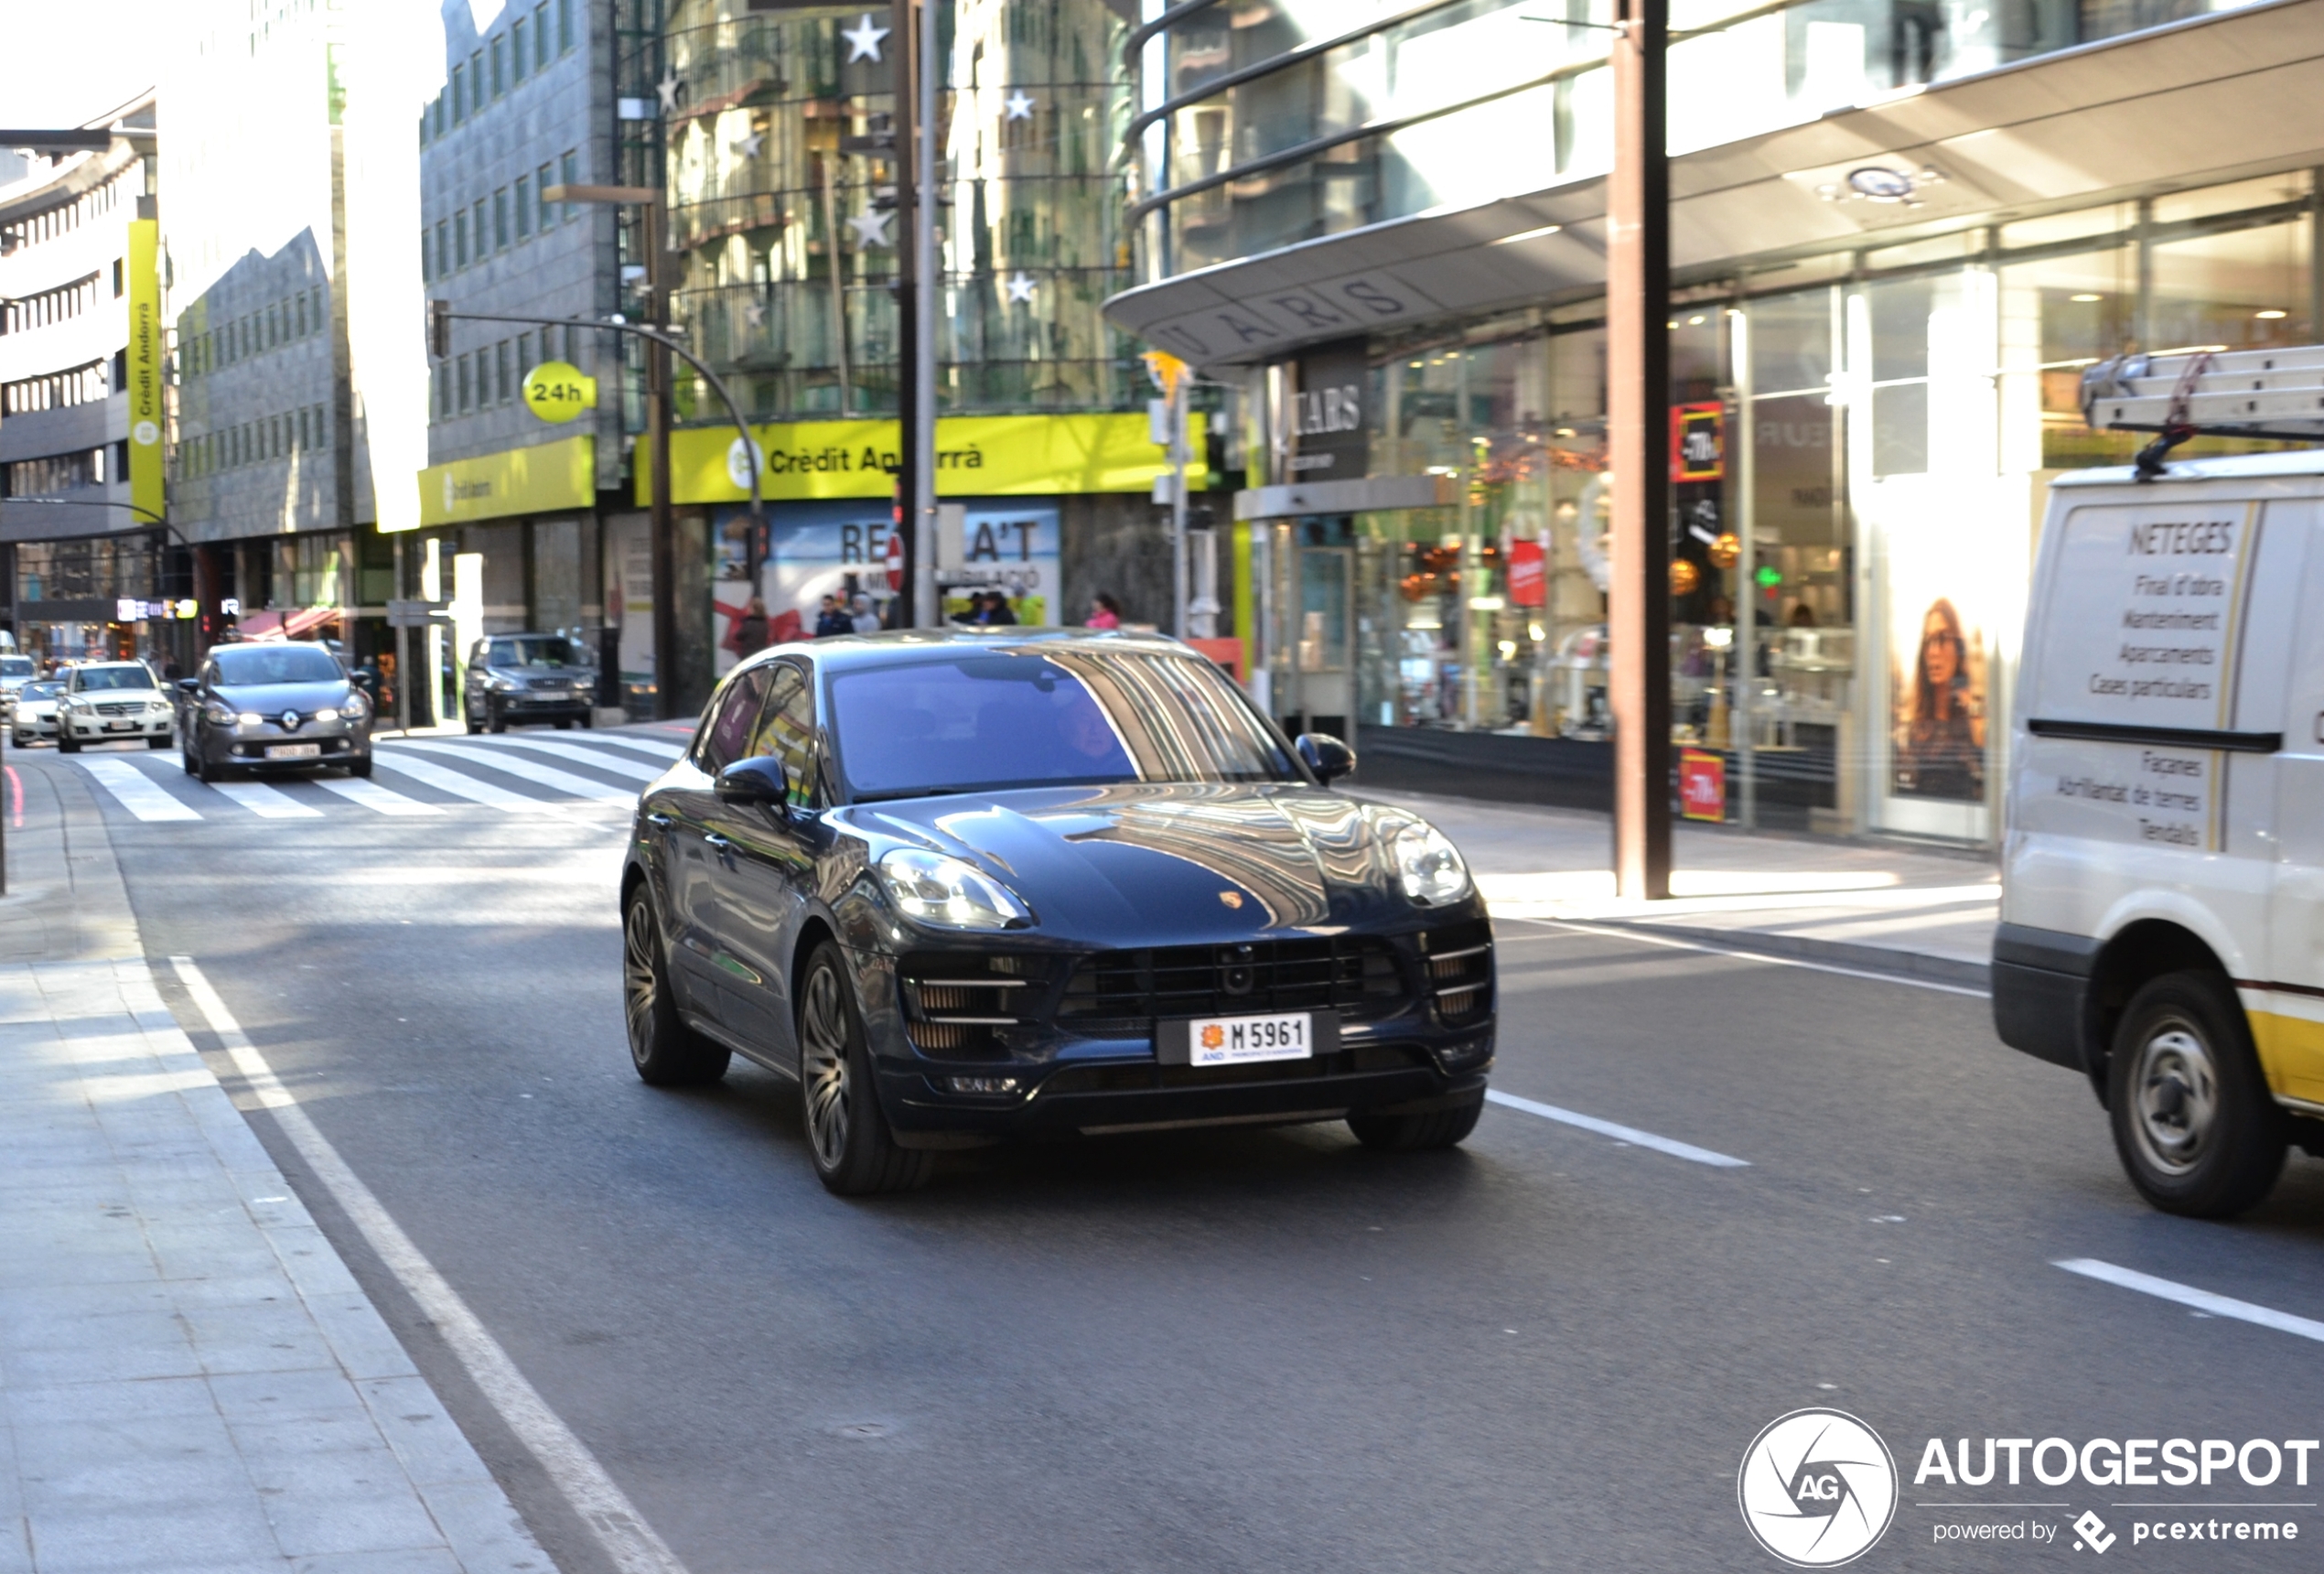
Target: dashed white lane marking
<point x="612" y="764"/>
<point x="597" y="1501"/>
<point x="371" y="795"/>
<point x="136" y="790"/>
<point x="270" y="802"/>
<point x="458" y="784"/>
<point x="2196" y="1300"/>
<point x="1624" y="931"/>
<point x="1628" y="1133"/>
<point x="529" y="771"/>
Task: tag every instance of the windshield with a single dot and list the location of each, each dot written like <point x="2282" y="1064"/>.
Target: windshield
<point x="16" y="667"/>
<point x="247" y="664"/>
<point x="122" y="678"/>
<point x="533" y="650"/>
<point x="45" y="689"/>
<point x="1027" y="718"/>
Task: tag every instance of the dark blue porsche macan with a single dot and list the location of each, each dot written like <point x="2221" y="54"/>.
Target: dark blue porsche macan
<point x="971" y="885"/>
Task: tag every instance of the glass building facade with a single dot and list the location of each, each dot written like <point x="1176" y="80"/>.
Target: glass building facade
<point x="1862" y="431"/>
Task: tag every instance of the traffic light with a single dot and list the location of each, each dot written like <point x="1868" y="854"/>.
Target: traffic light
<point x="439" y="328"/>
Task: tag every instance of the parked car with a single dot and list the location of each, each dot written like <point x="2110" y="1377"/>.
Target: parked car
<point x="273" y="704"/>
<point x="14" y="673"/>
<point x="520" y="678"/>
<point x="2162" y="903"/>
<point x="107" y="702"/>
<point x="971" y="885"/>
<point x="33" y="716"/>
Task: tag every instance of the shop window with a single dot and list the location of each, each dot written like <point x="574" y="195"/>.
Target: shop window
<point x="2057" y="318"/>
<point x="2244" y="289"/>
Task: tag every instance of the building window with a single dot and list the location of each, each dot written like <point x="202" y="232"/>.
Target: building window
<point x="483" y="241"/>
<point x="302" y="314"/>
<point x="443" y="248"/>
<point x="117" y="270"/>
<point x="523" y="206"/>
<point x="569" y="166"/>
<point x="443" y="113"/>
<point x="303" y="441"/>
<point x="427" y="257"/>
<point x="460" y="363"/>
<point x="516" y="49"/>
<point x="460" y="237"/>
<point x="525" y="354"/>
<point x="501" y="219"/>
<point x="541" y="37"/>
<point x="564" y="26"/>
<point x="541" y="186"/>
<point x="443" y="390"/>
<point x="501" y="369"/>
<point x="499" y="51"/>
<point x="460" y="94"/>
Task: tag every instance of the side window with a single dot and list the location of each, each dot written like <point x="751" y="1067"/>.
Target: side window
<point x="787" y="730"/>
<point x="728" y="736"/>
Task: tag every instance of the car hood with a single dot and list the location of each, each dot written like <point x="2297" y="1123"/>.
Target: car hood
<point x="528" y="676"/>
<point x="273" y="699"/>
<point x="1168" y="864"/>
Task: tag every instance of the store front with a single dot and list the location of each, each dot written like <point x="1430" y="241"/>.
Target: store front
<point x="1858" y="467"/>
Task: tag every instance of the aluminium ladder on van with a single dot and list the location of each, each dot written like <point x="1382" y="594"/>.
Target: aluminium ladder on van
<point x="2276" y="392"/>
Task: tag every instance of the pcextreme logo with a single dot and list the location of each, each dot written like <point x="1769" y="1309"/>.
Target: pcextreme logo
<point x="1818" y="1488"/>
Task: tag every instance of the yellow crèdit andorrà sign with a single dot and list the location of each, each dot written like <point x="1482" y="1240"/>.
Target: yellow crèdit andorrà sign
<point x="558" y="392"/>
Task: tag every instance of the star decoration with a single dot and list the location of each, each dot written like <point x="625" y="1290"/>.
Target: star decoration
<point x="668" y="88"/>
<point x="749" y="146"/>
<point x="870" y="227"/>
<point x="1018" y="105"/>
<point x="863" y="40"/>
<point x="754" y="313"/>
<point x="1019" y="287"/>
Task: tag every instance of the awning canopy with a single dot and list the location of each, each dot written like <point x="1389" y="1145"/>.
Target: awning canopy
<point x="2237" y="93"/>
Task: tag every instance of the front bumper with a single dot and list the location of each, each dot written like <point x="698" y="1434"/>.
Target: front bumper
<point x="98" y="729"/>
<point x="30" y="727"/>
<point x="336" y="741"/>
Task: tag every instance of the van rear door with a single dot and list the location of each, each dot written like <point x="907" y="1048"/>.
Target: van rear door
<point x="2287" y="1015"/>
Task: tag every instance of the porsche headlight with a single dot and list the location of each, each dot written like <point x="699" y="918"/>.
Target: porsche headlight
<point x="932" y="889"/>
<point x="1430" y="867"/>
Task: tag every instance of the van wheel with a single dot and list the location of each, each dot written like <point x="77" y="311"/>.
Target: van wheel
<point x="2197" y="1129"/>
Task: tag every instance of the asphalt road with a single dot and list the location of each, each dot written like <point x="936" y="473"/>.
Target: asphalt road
<point x="1243" y="1351"/>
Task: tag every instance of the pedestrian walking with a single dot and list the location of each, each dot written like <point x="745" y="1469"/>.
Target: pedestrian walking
<point x="1105" y="612"/>
<point x="746" y="634"/>
<point x="867" y="617"/>
<point x="833" y="620"/>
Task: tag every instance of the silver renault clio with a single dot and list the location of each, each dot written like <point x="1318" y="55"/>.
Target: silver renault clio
<point x="274" y="704"/>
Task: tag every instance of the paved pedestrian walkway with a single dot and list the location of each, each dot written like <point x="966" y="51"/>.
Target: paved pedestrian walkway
<point x="191" y="1380"/>
<point x="1885" y="905"/>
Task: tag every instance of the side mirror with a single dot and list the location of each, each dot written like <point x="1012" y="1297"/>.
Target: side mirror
<point x="1325" y="755"/>
<point x="189" y="685"/>
<point x="762" y="780"/>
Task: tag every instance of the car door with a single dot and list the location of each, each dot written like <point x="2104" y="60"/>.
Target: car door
<point x="2289" y="1020"/>
<point x="770" y="866"/>
<point x="695" y="857"/>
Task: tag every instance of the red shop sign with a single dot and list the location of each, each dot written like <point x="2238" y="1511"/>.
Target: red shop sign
<point x="1702" y="785"/>
<point x="1528" y="582"/>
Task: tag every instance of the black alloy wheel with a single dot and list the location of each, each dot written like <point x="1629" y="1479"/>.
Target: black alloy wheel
<point x="2197" y="1129"/>
<point x="665" y="1052"/>
<point x="856" y="1155"/>
<point x="1418" y="1133"/>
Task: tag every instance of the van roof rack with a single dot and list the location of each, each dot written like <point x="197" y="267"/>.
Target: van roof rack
<point x="2277" y="392"/>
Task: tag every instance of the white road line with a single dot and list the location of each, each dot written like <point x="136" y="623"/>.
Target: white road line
<point x="1628" y="1133"/>
<point x="595" y="759"/>
<point x="1623" y="932"/>
<point x="601" y="1505"/>
<point x="270" y="802"/>
<point x="532" y="771"/>
<point x="137" y="791"/>
<point x="373" y="796"/>
<point x="653" y="746"/>
<point x="456" y="784"/>
<point x="2188" y="1296"/>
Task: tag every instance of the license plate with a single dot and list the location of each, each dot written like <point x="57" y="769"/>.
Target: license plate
<point x="1235" y="1040"/>
<point x="294" y="751"/>
<point x="120" y="727"/>
<point x="558" y="695"/>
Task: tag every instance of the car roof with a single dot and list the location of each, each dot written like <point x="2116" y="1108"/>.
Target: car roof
<point x="906" y="647"/>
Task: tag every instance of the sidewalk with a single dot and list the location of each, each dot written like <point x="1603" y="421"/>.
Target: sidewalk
<point x="1888" y="906"/>
<point x="190" y="1381"/>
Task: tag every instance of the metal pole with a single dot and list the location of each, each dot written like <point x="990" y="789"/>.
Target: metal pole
<point x="905" y="118"/>
<point x="1745" y="651"/>
<point x="836" y="260"/>
<point x="1638" y="434"/>
<point x="1181" y="396"/>
<point x="664" y="525"/>
<point x="926" y="124"/>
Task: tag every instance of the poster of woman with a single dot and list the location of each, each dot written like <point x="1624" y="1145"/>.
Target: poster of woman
<point x="1939" y="744"/>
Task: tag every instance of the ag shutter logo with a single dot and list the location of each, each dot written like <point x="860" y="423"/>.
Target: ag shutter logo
<point x="1818" y="1488"/>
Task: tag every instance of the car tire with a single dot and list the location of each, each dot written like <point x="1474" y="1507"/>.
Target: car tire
<point x="161" y="740"/>
<point x="67" y="744"/>
<point x="209" y="772"/>
<point x="564" y="724"/>
<point x="853" y="1152"/>
<point x="359" y="766"/>
<point x="186" y="757"/>
<point x="665" y="1052"/>
<point x="1417" y="1133"/>
<point x="495" y="719"/>
<point x="474" y="726"/>
<point x="2198" y="1132"/>
<point x="588" y="722"/>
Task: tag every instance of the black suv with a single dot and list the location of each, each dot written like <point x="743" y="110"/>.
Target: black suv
<point x="520" y="678"/>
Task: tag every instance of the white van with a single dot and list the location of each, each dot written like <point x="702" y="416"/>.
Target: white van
<point x="2163" y="870"/>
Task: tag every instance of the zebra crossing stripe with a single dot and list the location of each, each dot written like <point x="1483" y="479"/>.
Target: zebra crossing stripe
<point x="136" y="790"/>
<point x="595" y="759"/>
<point x="374" y="797"/>
<point x="458" y="784"/>
<point x="271" y="803"/>
<point x="655" y="747"/>
<point x="531" y="770"/>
